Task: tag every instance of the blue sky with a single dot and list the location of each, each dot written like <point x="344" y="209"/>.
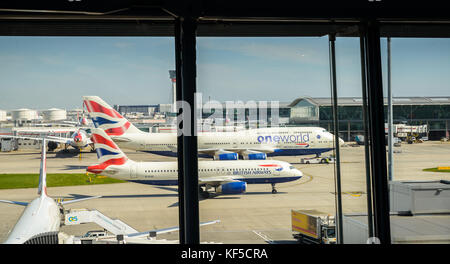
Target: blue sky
<point x="45" y="72"/>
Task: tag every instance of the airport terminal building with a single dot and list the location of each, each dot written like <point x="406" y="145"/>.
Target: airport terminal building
<point x="431" y="111"/>
<point x="434" y="112"/>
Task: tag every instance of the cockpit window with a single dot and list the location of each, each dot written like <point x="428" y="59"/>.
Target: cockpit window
<point x="292" y="167"/>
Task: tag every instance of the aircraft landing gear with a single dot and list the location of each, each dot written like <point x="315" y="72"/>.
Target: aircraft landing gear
<point x="203" y="194"/>
<point x="274" y="191"/>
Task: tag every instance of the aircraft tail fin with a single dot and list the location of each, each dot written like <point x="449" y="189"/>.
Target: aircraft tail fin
<point x="105" y="117"/>
<point x="42" y="189"/>
<point x="108" y="153"/>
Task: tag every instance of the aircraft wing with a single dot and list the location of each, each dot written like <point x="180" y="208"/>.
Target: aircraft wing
<point x="14" y="202"/>
<point x="59" y="139"/>
<point x="79" y="200"/>
<point x="49" y="138"/>
<point x="120" y="139"/>
<point x="216" y="181"/>
<point x="48" y="131"/>
<point x="166" y="230"/>
<point x="213" y="151"/>
<point x="262" y="149"/>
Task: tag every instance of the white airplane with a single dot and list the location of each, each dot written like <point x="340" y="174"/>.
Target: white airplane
<point x="226" y="177"/>
<point x="78" y="140"/>
<point x="252" y="144"/>
<point x="41" y="216"/>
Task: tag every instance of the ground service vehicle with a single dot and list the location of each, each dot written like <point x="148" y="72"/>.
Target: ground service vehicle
<point x="316" y="160"/>
<point x="313" y="227"/>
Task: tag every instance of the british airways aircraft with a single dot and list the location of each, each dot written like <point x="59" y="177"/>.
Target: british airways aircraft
<point x="224" y="177"/>
<point x="42" y="216"/>
<point x="78" y="140"/>
<point x="252" y="144"/>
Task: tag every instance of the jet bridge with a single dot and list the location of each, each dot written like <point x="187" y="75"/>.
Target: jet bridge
<point x="83" y="216"/>
<point x="122" y="233"/>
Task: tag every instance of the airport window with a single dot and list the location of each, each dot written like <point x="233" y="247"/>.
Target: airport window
<point x="250" y="72"/>
<point x="130" y="74"/>
<point x="328" y="155"/>
<point x="416" y="150"/>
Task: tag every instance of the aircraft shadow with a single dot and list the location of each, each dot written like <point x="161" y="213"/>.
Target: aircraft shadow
<point x="127" y="196"/>
<point x="283" y="242"/>
<point x="75" y="167"/>
<point x="62" y="154"/>
<point x="265" y="193"/>
<point x="69" y="153"/>
<point x="200" y="199"/>
<point x="25" y="154"/>
<point x="175" y="194"/>
<point x="167" y="188"/>
<point x="74" y="196"/>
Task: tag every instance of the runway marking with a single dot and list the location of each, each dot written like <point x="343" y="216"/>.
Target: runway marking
<point x="354" y="194"/>
<point x="263" y="236"/>
<point x="300" y="183"/>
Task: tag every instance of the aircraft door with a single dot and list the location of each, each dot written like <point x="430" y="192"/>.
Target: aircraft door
<point x="133" y="171"/>
<point x="222" y="171"/>
<point x="235" y="142"/>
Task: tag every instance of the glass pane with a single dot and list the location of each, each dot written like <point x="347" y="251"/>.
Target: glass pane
<point x="420" y="131"/>
<point x="282" y="88"/>
<point x="130" y="93"/>
<point x="352" y="153"/>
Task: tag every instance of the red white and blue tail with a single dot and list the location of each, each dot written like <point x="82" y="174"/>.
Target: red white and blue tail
<point x="105" y="117"/>
<point x="108" y="153"/>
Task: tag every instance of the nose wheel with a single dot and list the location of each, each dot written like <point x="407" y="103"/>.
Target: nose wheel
<point x="274" y="191"/>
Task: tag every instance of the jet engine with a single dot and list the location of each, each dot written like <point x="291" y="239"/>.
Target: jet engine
<point x="236" y="187"/>
<point x="52" y="145"/>
<point x="254" y="155"/>
<point x="226" y="156"/>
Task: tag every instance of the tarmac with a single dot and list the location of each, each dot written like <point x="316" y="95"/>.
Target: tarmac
<point x="256" y="217"/>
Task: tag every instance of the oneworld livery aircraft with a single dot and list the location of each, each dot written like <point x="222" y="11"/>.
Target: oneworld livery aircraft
<point x="223" y="177"/>
<point x="252" y="144"/>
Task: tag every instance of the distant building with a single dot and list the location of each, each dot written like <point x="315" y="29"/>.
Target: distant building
<point x="431" y="111"/>
<point x="147" y="110"/>
<point x="307" y="111"/>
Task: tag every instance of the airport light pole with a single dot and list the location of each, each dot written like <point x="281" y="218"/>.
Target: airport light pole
<point x="173" y="79"/>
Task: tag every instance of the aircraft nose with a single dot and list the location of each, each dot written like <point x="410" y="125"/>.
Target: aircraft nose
<point x="341" y="142"/>
<point x="77" y="138"/>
